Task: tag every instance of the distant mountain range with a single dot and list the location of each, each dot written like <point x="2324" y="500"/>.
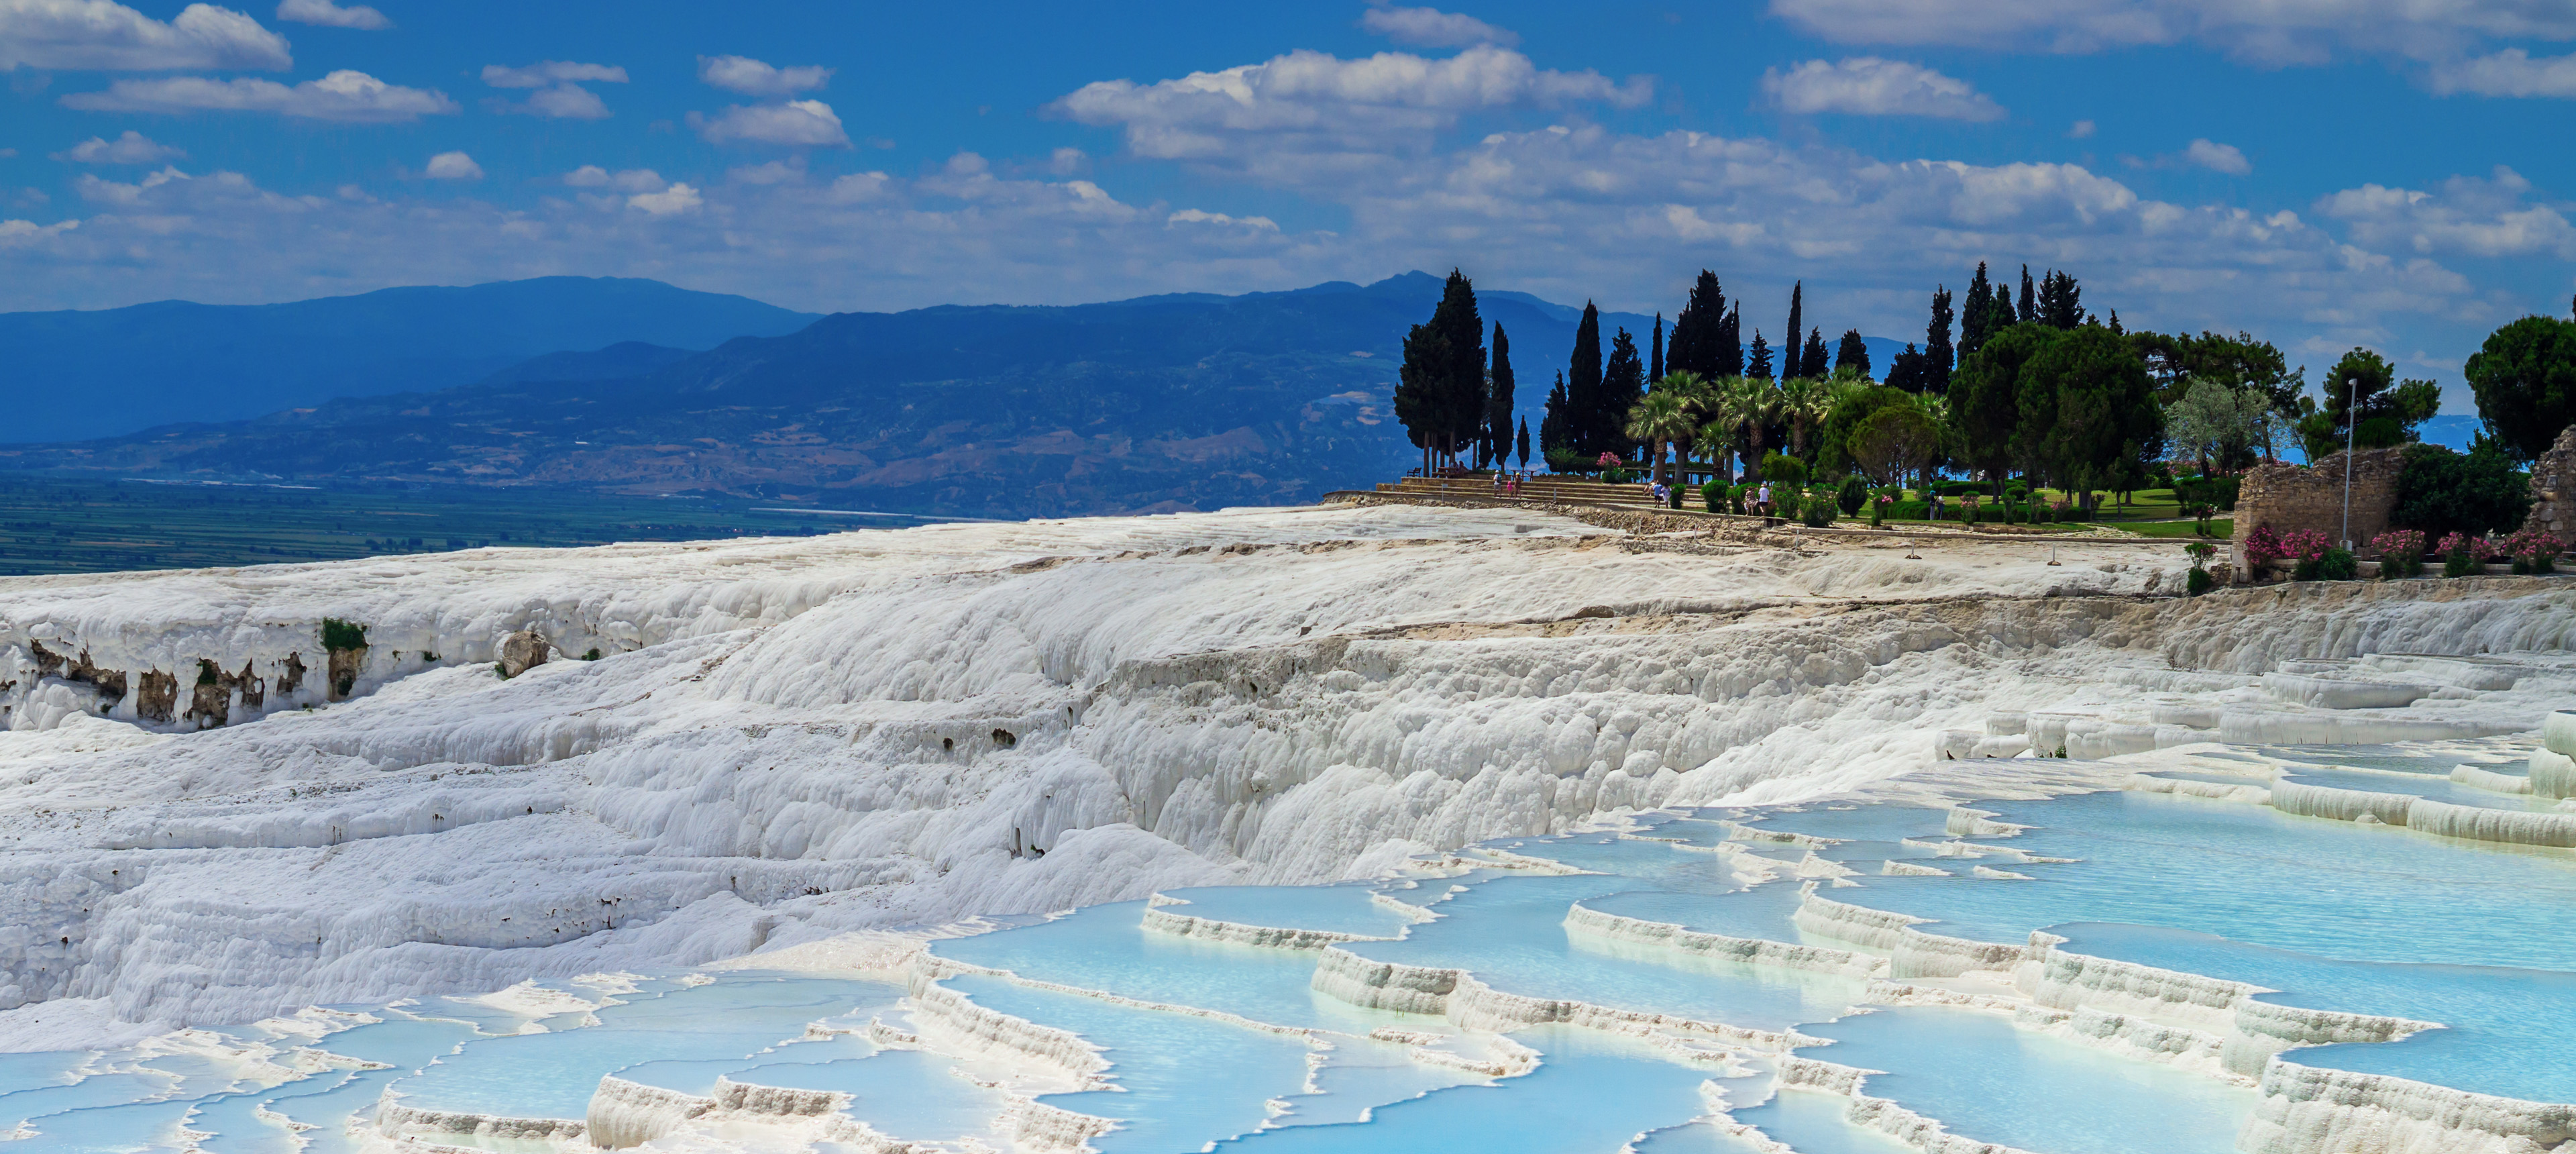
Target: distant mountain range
<point x="1157" y="403"/>
<point x="78" y="375"/>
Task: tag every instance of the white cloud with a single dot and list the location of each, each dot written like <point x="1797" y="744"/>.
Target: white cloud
<point x="754" y="78"/>
<point x="545" y="72"/>
<point x="2217" y="158"/>
<point x="1570" y="211"/>
<point x="2083" y="129"/>
<point x="1869" y="86"/>
<point x="1068" y="162"/>
<point x="346" y="95"/>
<point x="2268" y="31"/>
<point x="2485" y="218"/>
<point x="561" y="102"/>
<point x="796" y="122"/>
<point x="1311" y="113"/>
<point x="1198" y="216"/>
<point x="331" y="15"/>
<point x="786" y="171"/>
<point x="1433" y="28"/>
<point x="78" y="35"/>
<point x="623" y="180"/>
<point x="2511" y="72"/>
<point x="131" y="148"/>
<point x="671" y="201"/>
<point x="453" y="166"/>
<point x="559" y="96"/>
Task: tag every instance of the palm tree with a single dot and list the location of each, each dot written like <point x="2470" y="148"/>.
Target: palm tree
<point x="1750" y="403"/>
<point x="1661" y="418"/>
<point x="1804" y="401"/>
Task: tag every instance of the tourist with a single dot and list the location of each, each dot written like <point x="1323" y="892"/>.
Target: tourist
<point x="1936" y="504"/>
<point x="1762" y="499"/>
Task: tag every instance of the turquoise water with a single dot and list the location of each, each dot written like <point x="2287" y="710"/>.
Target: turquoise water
<point x="1215" y="1045"/>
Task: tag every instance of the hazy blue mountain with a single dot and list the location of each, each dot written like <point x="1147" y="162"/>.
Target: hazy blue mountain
<point x="1174" y="401"/>
<point x="77" y="375"/>
<point x="616" y="362"/>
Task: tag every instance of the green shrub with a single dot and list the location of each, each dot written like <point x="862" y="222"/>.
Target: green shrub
<point x="207" y="674"/>
<point x="343" y="635"/>
<point x="1781" y="469"/>
<point x="2399" y="566"/>
<point x="2461" y="564"/>
<point x="2200" y="581"/>
<point x="1957" y="488"/>
<point x="593" y="655"/>
<point x="1817" y="511"/>
<point x="2337" y="565"/>
<point x="1851" y="496"/>
<point x="2217" y="491"/>
<point x="1712" y="495"/>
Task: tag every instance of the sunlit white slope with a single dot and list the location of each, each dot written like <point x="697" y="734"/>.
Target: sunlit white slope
<point x="790" y="738"/>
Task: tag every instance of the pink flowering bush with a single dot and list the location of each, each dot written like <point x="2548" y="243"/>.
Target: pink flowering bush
<point x="2474" y="548"/>
<point x="2401" y="553"/>
<point x="2533" y="551"/>
<point x="2405" y="542"/>
<point x="2305" y="544"/>
<point x="2263" y="546"/>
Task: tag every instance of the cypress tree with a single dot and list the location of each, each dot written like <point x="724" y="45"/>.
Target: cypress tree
<point x="1498" y="403"/>
<point x="1811" y="363"/>
<point x="1460" y="405"/>
<point x="1936" y="344"/>
<point x="1797" y="324"/>
<point x="1657" y="372"/>
<point x="1525" y="442"/>
<point x="1853" y="356"/>
<point x="1583" y="384"/>
<point x="1973" y="323"/>
<point x="1727" y="353"/>
<point x="1551" y="422"/>
<point x="1422" y="385"/>
<point x="2029" y="300"/>
<point x="1999" y="316"/>
<point x="2060" y="301"/>
<point x="1759" y="366"/>
<point x="1621" y="384"/>
<point x="1905" y="370"/>
<point x="1695" y="330"/>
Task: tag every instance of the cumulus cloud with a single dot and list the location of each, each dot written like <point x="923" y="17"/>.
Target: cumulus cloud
<point x="453" y="166"/>
<point x="2306" y="31"/>
<point x="1433" y="28"/>
<point x="1305" y="109"/>
<point x="2511" y="72"/>
<point x="545" y="72"/>
<point x="1869" y="86"/>
<point x="795" y="122"/>
<point x="330" y="15"/>
<point x="2493" y="217"/>
<point x="755" y="78"/>
<point x="671" y="201"/>
<point x="2216" y="157"/>
<point x="79" y="35"/>
<point x="559" y="96"/>
<point x="623" y="180"/>
<point x="1570" y="211"/>
<point x="346" y="95"/>
<point x="131" y="148"/>
<point x="1198" y="216"/>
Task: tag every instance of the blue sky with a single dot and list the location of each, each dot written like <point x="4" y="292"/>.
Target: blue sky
<point x="2323" y="173"/>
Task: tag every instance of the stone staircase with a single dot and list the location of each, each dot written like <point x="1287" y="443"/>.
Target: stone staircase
<point x="1566" y="490"/>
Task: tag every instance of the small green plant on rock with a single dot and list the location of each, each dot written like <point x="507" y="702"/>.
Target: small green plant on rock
<point x="343" y="635"/>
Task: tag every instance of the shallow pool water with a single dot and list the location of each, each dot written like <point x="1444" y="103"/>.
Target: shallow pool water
<point x="1214" y="1044"/>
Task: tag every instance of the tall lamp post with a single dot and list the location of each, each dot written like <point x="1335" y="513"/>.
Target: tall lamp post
<point x="2351" y="421"/>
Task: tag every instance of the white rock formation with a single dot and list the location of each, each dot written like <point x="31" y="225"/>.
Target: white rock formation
<point x="790" y="739"/>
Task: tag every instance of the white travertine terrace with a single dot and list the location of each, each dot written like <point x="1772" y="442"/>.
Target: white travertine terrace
<point x="790" y="742"/>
